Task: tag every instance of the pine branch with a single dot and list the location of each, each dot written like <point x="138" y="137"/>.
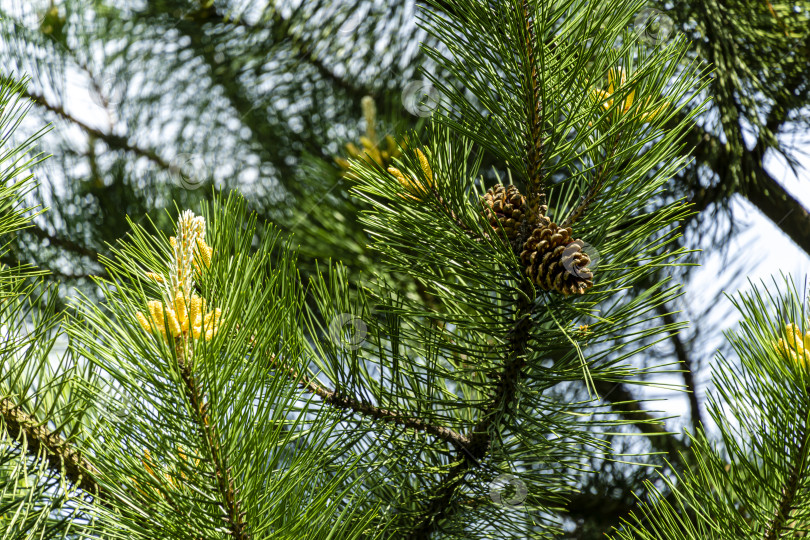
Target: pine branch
<point x="748" y="481"/>
<point x="332" y="398"/>
<point x="759" y="186"/>
<point x="12" y="262"/>
<point x="252" y="114"/>
<point x="782" y="208"/>
<point x="774" y="530"/>
<point x="62" y="458"/>
<point x="594" y="189"/>
<point x="306" y="52"/>
<point x="787" y="101"/>
<point x="116" y="142"/>
<point x="764" y="191"/>
<point x="535" y="122"/>
<point x="481" y="435"/>
<point x="62" y="242"/>
<point x="210" y="435"/>
<point x="722" y="54"/>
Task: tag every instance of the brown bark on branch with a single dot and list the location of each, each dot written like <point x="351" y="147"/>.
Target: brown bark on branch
<point x="208" y="430"/>
<point x="61" y="242"/>
<point x="782" y="208"/>
<point x="116" y="142"/>
<point x="500" y="405"/>
<point x="62" y="458"/>
<point x="346" y="403"/>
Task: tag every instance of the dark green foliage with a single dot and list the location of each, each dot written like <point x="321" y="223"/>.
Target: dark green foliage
<point x="385" y="359"/>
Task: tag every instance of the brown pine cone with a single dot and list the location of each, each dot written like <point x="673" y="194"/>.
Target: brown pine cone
<point x="504" y="207"/>
<point x="554" y="261"/>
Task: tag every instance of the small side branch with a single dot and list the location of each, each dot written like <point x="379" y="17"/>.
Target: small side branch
<point x="593" y="190"/>
<point x="688" y="373"/>
<point x="346" y="403"/>
<point x="59" y="241"/>
<point x="480" y="439"/>
<point x="116" y="142"/>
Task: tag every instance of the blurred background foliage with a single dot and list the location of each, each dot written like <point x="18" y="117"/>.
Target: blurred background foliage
<point x="161" y="102"/>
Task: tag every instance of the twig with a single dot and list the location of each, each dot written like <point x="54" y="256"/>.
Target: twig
<point x="351" y="404"/>
<point x="113" y="141"/>
<point x="688" y="373"/>
<point x="593" y="189"/>
<point x="208" y="432"/>
<point x="61" y="242"/>
<point x="480" y="438"/>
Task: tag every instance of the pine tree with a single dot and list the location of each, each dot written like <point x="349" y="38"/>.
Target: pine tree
<point x="751" y="480"/>
<point x="217" y="391"/>
<point x="247" y="413"/>
<point x="150" y="100"/>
